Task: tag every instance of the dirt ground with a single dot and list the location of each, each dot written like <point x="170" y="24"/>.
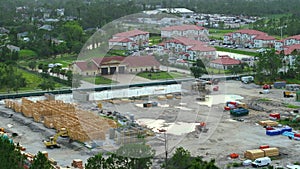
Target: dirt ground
<point x="224" y="135"/>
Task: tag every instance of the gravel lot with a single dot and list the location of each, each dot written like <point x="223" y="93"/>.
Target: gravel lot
<point x="224" y="135"/>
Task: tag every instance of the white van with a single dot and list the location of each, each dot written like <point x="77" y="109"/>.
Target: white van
<point x="264" y="161"/>
<point x="247" y="79"/>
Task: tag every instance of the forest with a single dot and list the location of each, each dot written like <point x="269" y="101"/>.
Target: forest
<point x="96" y="13"/>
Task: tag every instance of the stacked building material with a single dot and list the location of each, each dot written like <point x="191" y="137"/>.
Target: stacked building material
<point x="268" y="123"/>
<point x="77" y="163"/>
<point x="14" y="105"/>
<point x="169" y="96"/>
<point x="161" y="97"/>
<point x="254" y="154"/>
<point x="271" y="152"/>
<point x="27" y="107"/>
<point x="81" y="125"/>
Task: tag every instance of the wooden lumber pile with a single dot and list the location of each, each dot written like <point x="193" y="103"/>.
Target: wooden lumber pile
<point x="27" y="107"/>
<point x="14" y="105"/>
<point x="254" y="154"/>
<point x="268" y="123"/>
<point x="77" y="163"/>
<point x="271" y="152"/>
<point x="81" y="125"/>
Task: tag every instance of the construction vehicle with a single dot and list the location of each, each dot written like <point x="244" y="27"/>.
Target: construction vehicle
<point x="64" y="132"/>
<point x="201" y="127"/>
<point x="51" y="143"/>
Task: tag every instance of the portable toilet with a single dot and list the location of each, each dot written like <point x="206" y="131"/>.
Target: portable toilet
<point x="298" y="96"/>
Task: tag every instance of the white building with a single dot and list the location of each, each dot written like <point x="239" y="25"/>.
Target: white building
<point x="190" y="31"/>
<point x="189" y="49"/>
<point x="129" y="40"/>
<point x="249" y="38"/>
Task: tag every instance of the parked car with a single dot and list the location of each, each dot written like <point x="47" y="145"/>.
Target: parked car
<point x="266" y="86"/>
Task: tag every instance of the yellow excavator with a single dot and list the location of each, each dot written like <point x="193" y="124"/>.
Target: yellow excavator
<point x="51" y="143"/>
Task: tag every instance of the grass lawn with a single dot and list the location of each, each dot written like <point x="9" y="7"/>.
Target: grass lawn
<point x="26" y="54"/>
<point x="161" y="75"/>
<point x="32" y="81"/>
<point x="236" y="51"/>
<point x="154" y="40"/>
<point x="219" y="33"/>
<point x="98" y="80"/>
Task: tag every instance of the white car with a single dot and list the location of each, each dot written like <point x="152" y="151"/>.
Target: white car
<point x="247" y="162"/>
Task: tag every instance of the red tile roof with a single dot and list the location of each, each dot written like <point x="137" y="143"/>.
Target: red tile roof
<point x="228" y="34"/>
<point x="141" y="61"/>
<point x="250" y="32"/>
<point x="161" y="44"/>
<point x="203" y="48"/>
<point x="226" y="60"/>
<point x="106" y="60"/>
<point x="130" y="33"/>
<point x="131" y="61"/>
<point x="296" y="37"/>
<point x="289" y="49"/>
<point x="185" y="41"/>
<point x="120" y="39"/>
<point x="264" y="37"/>
<point x="183" y="28"/>
<point x="85" y="66"/>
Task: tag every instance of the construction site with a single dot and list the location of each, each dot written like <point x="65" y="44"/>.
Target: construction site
<point x="228" y="121"/>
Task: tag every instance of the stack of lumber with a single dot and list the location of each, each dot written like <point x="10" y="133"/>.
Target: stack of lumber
<point x="27" y="107"/>
<point x="254" y="154"/>
<point x="81" y="125"/>
<point x="15" y="106"/>
<point x="77" y="163"/>
<point x="268" y="123"/>
<point x="271" y="152"/>
<point x="161" y="97"/>
<point x="169" y="96"/>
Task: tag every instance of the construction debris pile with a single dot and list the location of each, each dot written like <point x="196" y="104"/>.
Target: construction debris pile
<point x="81" y="125"/>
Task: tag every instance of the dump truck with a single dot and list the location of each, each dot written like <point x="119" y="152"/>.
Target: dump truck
<point x="52" y="142"/>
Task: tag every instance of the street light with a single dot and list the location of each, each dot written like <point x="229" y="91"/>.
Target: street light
<point x="166" y="148"/>
<point x="281" y="27"/>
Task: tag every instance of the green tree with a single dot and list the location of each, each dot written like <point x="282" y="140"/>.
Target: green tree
<point x="130" y="156"/>
<point x="267" y="66"/>
<point x="11" y="158"/>
<point x="32" y="65"/>
<point x="47" y="84"/>
<point x="98" y="161"/>
<point x="140" y="155"/>
<point x="234" y="70"/>
<point x="198" y="69"/>
<point x="40" y="161"/>
<point x="182" y="159"/>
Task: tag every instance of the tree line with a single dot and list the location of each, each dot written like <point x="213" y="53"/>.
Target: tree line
<point x="128" y="156"/>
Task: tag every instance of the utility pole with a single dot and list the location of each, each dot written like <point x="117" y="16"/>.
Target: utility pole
<point x="166" y="145"/>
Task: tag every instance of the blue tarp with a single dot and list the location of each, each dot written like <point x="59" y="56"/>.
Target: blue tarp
<point x="288" y="134"/>
<point x="273" y="132"/>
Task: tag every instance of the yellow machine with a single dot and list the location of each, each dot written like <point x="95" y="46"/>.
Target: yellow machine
<point x="51" y="143"/>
